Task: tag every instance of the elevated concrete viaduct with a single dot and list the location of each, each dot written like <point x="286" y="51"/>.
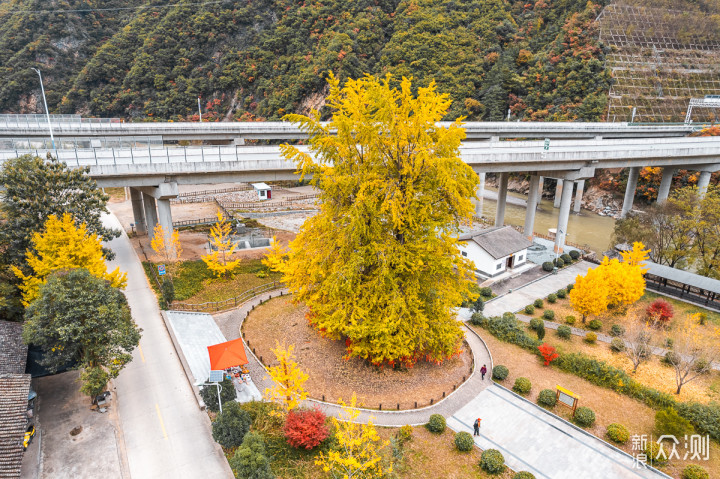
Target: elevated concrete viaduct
<point x="154" y="174"/>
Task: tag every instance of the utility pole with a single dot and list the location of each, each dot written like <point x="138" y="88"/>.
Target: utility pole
<point x="199" y="110"/>
<point x="47" y="112"/>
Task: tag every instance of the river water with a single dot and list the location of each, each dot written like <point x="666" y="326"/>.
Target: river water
<point x="586" y="228"/>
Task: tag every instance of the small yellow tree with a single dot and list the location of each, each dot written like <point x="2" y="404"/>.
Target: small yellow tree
<point x="288" y="378"/>
<point x="222" y="248"/>
<point x="625" y="282"/>
<point x="62" y="245"/>
<point x="637" y="256"/>
<point x="357" y="453"/>
<point x="590" y="294"/>
<point x="276" y="256"/>
<point x="166" y="245"/>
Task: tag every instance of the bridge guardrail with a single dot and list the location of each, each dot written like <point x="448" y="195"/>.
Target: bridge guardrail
<point x="214" y="306"/>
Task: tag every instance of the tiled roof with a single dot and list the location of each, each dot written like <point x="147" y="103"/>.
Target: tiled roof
<point x="499" y="242"/>
<point x="13" y="350"/>
<point x="14" y="390"/>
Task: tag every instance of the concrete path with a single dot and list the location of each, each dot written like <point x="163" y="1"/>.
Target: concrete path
<point x="534" y="440"/>
<point x="166" y="435"/>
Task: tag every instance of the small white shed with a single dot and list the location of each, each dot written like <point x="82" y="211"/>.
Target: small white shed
<point x="494" y="250"/>
<point x="264" y="191"/>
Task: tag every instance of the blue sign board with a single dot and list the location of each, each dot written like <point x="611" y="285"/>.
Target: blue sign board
<point x="161" y="269"/>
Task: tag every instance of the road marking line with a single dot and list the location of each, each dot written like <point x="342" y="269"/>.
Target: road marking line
<point x="142" y="356"/>
<point x="162" y="424"/>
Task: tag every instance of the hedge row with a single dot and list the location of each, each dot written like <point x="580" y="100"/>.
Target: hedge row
<point x="705" y="417"/>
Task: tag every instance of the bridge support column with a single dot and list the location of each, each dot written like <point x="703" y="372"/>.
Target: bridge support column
<point x="703" y="182"/>
<point x="240" y="141"/>
<point x="665" y="184"/>
<point x="480" y="197"/>
<point x="502" y="199"/>
<point x="541" y="185"/>
<point x="578" y="195"/>
<point x="558" y="193"/>
<point x="532" y="203"/>
<point x="138" y="212"/>
<point x="563" y="216"/>
<point x="165" y="218"/>
<point x="630" y="191"/>
<point x="150" y="214"/>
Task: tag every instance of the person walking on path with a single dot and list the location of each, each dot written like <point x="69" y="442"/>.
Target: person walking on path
<point x="476" y="427"/>
<point x="483" y="371"/>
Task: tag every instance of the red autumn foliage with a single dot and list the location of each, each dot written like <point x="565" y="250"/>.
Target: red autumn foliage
<point x="548" y="353"/>
<point x="660" y="311"/>
<point x="305" y="428"/>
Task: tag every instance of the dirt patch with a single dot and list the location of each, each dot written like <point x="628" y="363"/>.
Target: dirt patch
<point x="336" y="378"/>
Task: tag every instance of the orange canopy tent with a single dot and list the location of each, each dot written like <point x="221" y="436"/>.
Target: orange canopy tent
<point x="227" y="355"/>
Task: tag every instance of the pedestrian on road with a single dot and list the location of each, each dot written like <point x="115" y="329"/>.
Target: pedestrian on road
<point x="476" y="427"/>
<point x="483" y="370"/>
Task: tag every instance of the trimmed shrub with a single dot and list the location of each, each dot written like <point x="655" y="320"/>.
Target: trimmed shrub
<point x="486" y="292"/>
<point x="570" y="320"/>
<point x="538" y="303"/>
<point x="478" y="305"/>
<point x="549" y="314"/>
<point x="547" y="398"/>
<point x="617" y="345"/>
<point x="536" y="323"/>
<point x="231" y="425"/>
<point x="404" y="434"/>
<point x="436" y="424"/>
<point x="507" y="328"/>
<point x="701" y="366"/>
<point x="570" y="287"/>
<point x="522" y="386"/>
<point x="574" y="254"/>
<point x="618" y="433"/>
<point x="464" y="441"/>
<point x="693" y="471"/>
<point x="668" y="421"/>
<point x="595" y="324"/>
<point x="617" y="330"/>
<point x="653" y="453"/>
<point x="552" y="298"/>
<point x="492" y="461"/>
<point x="305" y="428"/>
<point x="547" y="266"/>
<point x="529" y="309"/>
<point x="584" y="416"/>
<point x="523" y="475"/>
<point x="591" y="338"/>
<point x="500" y="372"/>
<point x="660" y="310"/>
<point x="209" y="394"/>
<point x="670" y="358"/>
<point x="250" y="459"/>
<point x="567" y="259"/>
<point x="562" y="294"/>
<point x="559" y="263"/>
<point x="540" y="332"/>
<point x="478" y="319"/>
<point x="564" y="332"/>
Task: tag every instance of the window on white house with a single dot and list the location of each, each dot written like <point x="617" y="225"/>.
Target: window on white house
<point x="262" y="193"/>
<point x="464" y="253"/>
<point x="498" y="266"/>
<point x="520" y="258"/>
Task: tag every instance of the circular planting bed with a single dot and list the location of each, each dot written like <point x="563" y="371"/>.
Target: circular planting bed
<point x="333" y="377"/>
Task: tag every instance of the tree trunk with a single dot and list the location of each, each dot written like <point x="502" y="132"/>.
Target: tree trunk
<point x="678" y="389"/>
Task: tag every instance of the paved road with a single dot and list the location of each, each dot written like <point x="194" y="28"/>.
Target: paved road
<point x="533" y="440"/>
<point x="166" y="435"/>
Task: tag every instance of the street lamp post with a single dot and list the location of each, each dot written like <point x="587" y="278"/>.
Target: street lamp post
<point x="47" y="112"/>
<point x="199" y="110"/>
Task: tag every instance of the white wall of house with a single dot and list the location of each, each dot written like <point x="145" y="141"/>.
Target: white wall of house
<point x="486" y="264"/>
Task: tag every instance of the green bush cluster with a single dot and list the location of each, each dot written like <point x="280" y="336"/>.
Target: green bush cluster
<point x="436" y="424"/>
<point x="652" y="452"/>
<point x="670" y="358"/>
<point x="617" y="345"/>
<point x="529" y="309"/>
<point x="522" y="386"/>
<point x="492" y="461"/>
<point x="523" y="475"/>
<point x="464" y="441"/>
<point x="507" y="329"/>
<point x="570" y="319"/>
<point x="570" y="287"/>
<point x="478" y="319"/>
<point x="564" y="332"/>
<point x="617" y="330"/>
<point x="618" y="433"/>
<point x="562" y="293"/>
<point x="695" y="471"/>
<point x="231" y="425"/>
<point x="567" y="259"/>
<point x="547" y="266"/>
<point x="552" y="298"/>
<point x="536" y="323"/>
<point x="595" y="324"/>
<point x="547" y="398"/>
<point x="404" y="434"/>
<point x="668" y="421"/>
<point x="549" y="314"/>
<point x="591" y="338"/>
<point x="584" y="416"/>
<point x="486" y="292"/>
<point x="559" y="263"/>
<point x="250" y="459"/>
<point x="575" y="254"/>
<point x="538" y="303"/>
<point x="210" y="397"/>
<point x="500" y="372"/>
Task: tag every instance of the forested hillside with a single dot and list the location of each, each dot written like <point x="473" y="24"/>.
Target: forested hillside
<point x="260" y="59"/>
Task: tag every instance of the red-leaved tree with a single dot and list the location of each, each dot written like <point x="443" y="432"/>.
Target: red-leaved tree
<point x="548" y="353"/>
<point x="305" y="428"/>
<point x="660" y="311"/>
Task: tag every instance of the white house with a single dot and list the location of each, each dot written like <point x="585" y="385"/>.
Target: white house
<point x="264" y="191"/>
<point x="494" y="250"/>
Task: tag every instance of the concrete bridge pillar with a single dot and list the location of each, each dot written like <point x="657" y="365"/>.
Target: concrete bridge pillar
<point x="665" y="184"/>
<point x="633" y="175"/>
<point x="558" y="193"/>
<point x="502" y="199"/>
<point x="150" y="214"/>
<point x="239" y="141"/>
<point x="165" y="218"/>
<point x="578" y="195"/>
<point x="138" y="212"/>
<point x="541" y="185"/>
<point x="703" y="182"/>
<point x="480" y="198"/>
<point x="563" y="216"/>
<point x="532" y="203"/>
